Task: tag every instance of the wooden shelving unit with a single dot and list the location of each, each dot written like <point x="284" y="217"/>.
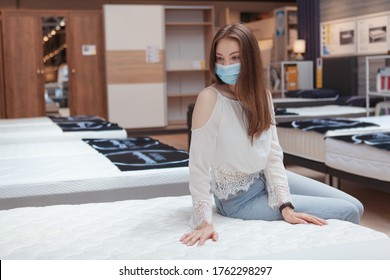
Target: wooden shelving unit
<point x="373" y="64"/>
<point x="286" y="32"/>
<point x="188" y="34"/>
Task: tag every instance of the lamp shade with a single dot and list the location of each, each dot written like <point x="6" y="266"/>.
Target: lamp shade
<point x="299" y="46"/>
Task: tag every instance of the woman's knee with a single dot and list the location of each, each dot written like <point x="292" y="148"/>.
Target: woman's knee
<point x="351" y="213"/>
<point x="360" y="208"/>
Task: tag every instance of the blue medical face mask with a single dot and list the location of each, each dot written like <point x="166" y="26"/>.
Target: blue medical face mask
<point x="229" y="73"/>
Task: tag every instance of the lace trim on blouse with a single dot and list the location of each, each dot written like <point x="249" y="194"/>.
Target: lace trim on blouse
<point x="202" y="213"/>
<point x="229" y="183"/>
<point x="277" y="196"/>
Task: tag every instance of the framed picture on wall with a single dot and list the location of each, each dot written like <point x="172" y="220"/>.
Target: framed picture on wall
<point x="338" y="38"/>
<point x="374" y="34"/>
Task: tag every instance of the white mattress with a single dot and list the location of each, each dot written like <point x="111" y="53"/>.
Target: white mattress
<point x="150" y="229"/>
<point x="326" y="111"/>
<point x="140" y="184"/>
<point x="17" y="171"/>
<point x="44" y="149"/>
<point x="25" y="121"/>
<point x="362" y="160"/>
<point x="71" y="172"/>
<point x="311" y="145"/>
<point x="40" y="162"/>
<point x="26" y="130"/>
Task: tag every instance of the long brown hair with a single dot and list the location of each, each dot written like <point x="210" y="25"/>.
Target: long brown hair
<point x="251" y="89"/>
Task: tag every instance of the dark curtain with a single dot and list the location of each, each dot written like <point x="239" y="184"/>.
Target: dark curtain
<point x="309" y="28"/>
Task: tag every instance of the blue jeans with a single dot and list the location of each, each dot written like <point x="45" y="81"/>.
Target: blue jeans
<point x="307" y="195"/>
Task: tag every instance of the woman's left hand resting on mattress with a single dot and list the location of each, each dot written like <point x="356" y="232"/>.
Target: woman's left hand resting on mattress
<point x="200" y="235"/>
<point x="292" y="217"/>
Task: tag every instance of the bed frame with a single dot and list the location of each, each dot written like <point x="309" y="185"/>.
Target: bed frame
<point x="336" y="175"/>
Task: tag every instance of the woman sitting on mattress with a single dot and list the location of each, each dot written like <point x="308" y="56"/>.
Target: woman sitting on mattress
<point x="235" y="153"/>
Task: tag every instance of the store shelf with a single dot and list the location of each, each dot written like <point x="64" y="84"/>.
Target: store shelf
<point x="373" y="64"/>
<point x="285" y="32"/>
<point x="278" y="76"/>
<point x="189" y="31"/>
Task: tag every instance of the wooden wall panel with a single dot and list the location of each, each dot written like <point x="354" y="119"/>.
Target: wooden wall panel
<point x="2" y="92"/>
<point x="129" y="67"/>
<point x="61" y="4"/>
<point x="22" y="54"/>
<point x="8" y="4"/>
<point x="87" y="71"/>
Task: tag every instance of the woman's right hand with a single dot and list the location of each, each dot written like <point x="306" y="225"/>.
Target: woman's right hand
<point x="200" y="235"/>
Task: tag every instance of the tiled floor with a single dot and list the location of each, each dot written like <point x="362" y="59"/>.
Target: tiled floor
<point x="376" y="203"/>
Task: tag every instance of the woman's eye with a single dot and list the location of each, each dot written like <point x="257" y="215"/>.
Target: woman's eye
<point x="236" y="58"/>
<point x="219" y="58"/>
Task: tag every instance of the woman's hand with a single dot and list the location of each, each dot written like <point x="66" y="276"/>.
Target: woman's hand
<point x="200" y="235"/>
<point x="292" y="217"/>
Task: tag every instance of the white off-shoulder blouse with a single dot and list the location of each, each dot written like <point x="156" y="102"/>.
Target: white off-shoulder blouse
<point x="223" y="160"/>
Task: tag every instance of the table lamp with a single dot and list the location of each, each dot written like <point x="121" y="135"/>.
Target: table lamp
<point x="299" y="49"/>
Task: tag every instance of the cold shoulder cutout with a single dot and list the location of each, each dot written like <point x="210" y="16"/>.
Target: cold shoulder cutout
<point x="204" y="107"/>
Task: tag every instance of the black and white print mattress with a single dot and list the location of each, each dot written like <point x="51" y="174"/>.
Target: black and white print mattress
<point x="364" y="154"/>
<point x="309" y="143"/>
<point x="380" y="140"/>
<point x="139" y="153"/>
<point x="324" y="125"/>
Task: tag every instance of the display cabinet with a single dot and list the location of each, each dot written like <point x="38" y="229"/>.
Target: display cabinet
<point x="24" y="56"/>
<point x="290" y="75"/>
<point x="377" y="78"/>
<point x="135" y="62"/>
<point x="188" y="34"/>
<point x="286" y="32"/>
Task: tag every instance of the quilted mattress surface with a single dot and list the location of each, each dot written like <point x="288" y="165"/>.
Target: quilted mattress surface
<point x="150" y="229"/>
<point x="361" y="160"/>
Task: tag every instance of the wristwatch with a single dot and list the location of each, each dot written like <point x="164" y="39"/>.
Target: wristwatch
<point x="284" y="205"/>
